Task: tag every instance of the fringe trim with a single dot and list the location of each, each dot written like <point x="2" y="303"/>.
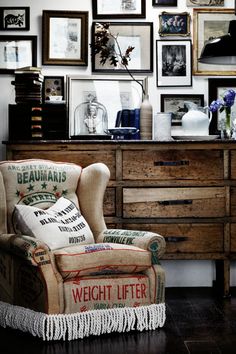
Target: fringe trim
<point x="82" y="324"/>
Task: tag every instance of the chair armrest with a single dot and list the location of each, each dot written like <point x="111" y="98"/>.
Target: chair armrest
<point x="29" y="248"/>
<point x="150" y="241"/>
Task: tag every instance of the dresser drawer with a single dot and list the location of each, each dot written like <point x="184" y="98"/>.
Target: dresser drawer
<point x="172" y="165"/>
<point x="233" y="164"/>
<point x="187" y="238"/>
<point x="173" y="202"/>
<point x="109" y="204"/>
<point x="233" y="237"/>
<point x="82" y="158"/>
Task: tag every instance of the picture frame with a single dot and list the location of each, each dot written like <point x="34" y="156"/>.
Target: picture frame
<point x="17" y="52"/>
<point x="174" y="103"/>
<point x="197" y="3"/>
<point x="111" y="93"/>
<point x="136" y="34"/>
<point x="164" y="3"/>
<point x="14" y="18"/>
<point x="216" y="87"/>
<point x="210" y="23"/>
<point x="174" y="24"/>
<point x="115" y="9"/>
<point x="65" y="38"/>
<point x="53" y="86"/>
<point x="174" y="62"/>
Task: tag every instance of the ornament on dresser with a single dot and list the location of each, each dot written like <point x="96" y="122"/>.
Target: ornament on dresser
<point x="196" y="121"/>
<point x="227" y="121"/>
<point x="106" y="44"/>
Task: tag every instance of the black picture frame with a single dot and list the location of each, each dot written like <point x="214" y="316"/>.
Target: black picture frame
<point x="122" y="13"/>
<point x="174" y="24"/>
<point x="164" y="3"/>
<point x="214" y="87"/>
<point x="53" y="86"/>
<point x="174" y="63"/>
<point x="142" y="33"/>
<point x="75" y="35"/>
<point x="14" y="18"/>
<point x="10" y="55"/>
<point x="174" y="103"/>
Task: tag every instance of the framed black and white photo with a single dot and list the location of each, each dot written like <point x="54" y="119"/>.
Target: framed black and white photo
<point x="65" y="38"/>
<point x="216" y="89"/>
<point x="119" y="9"/>
<point x="14" y="18"/>
<point x="174" y="24"/>
<point x="17" y="52"/>
<point x="53" y="87"/>
<point x="136" y="34"/>
<point x="164" y="3"/>
<point x="197" y="3"/>
<point x="209" y="23"/>
<point x="174" y="62"/>
<point x="174" y="103"/>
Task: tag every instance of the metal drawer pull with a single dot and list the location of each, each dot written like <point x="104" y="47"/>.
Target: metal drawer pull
<point x="175" y="202"/>
<point x="176" y="238"/>
<point x="171" y="163"/>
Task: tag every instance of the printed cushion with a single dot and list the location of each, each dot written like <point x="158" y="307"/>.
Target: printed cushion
<point x="59" y="226"/>
<point x="101" y="258"/>
<point x="38" y="182"/>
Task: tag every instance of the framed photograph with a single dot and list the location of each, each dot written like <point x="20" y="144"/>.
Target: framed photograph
<point x="119" y="9"/>
<point x="94" y="101"/>
<point x="216" y="88"/>
<point x="136" y="34"/>
<point x="210" y="23"/>
<point x="164" y="3"/>
<point x="17" y="52"/>
<point x="174" y="103"/>
<point x="65" y="38"/>
<point x="53" y="87"/>
<point x="197" y="3"/>
<point x="174" y="24"/>
<point x="174" y="62"/>
<point x="14" y="18"/>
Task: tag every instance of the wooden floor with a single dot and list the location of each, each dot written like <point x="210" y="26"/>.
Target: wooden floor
<point x="197" y="322"/>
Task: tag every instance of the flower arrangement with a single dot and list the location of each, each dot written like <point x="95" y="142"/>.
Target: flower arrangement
<point x="224" y="104"/>
<point x="106" y="44"/>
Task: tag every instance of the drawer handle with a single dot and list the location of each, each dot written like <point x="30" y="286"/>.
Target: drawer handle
<point x="175" y="202"/>
<point x="175" y="239"/>
<point x="171" y="163"/>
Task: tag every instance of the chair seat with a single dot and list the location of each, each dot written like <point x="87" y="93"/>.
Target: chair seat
<point x="101" y="258"/>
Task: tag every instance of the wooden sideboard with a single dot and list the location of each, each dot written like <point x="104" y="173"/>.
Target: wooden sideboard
<point x="184" y="190"/>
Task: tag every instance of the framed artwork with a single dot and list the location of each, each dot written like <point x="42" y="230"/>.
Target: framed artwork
<point x="136" y="34"/>
<point x="174" y="103"/>
<point x="65" y="38"/>
<point x="209" y="23"/>
<point x="17" y="52"/>
<point x="119" y="9"/>
<point x="14" y="18"/>
<point x="197" y="3"/>
<point x="53" y="86"/>
<point x="100" y="98"/>
<point x="174" y="24"/>
<point x="174" y="62"/>
<point x="216" y="88"/>
<point x="164" y="3"/>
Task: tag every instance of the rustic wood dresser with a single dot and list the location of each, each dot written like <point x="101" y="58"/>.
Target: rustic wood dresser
<point x="184" y="190"/>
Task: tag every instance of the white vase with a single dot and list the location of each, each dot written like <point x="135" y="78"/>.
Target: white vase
<point x="162" y="127"/>
<point x="146" y="119"/>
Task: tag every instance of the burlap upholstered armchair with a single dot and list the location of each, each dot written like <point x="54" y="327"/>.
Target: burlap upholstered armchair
<point x="63" y="274"/>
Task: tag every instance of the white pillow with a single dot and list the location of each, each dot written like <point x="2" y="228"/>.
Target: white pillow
<point x="61" y="225"/>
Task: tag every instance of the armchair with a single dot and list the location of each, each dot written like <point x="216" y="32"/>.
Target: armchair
<point x="63" y="274"/>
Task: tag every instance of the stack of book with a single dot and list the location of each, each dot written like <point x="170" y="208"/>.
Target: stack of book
<point x="28" y="85"/>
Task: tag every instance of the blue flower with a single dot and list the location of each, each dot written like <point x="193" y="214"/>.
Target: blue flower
<point x="229" y="98"/>
<point x="215" y="105"/>
<point x="225" y="103"/>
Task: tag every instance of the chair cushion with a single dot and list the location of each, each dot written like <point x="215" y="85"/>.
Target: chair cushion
<point x="58" y="226"/>
<point x="101" y="258"/>
<point x="38" y="182"/>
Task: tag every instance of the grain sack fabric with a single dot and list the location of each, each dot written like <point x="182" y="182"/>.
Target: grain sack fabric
<point x="38" y="183"/>
<point x="80" y="325"/>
